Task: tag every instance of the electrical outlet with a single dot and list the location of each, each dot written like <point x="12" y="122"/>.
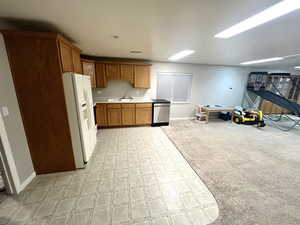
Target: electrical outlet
<point x="5" y="111"/>
<point x="99" y="92"/>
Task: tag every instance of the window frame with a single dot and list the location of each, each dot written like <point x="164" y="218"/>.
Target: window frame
<point x="189" y="94"/>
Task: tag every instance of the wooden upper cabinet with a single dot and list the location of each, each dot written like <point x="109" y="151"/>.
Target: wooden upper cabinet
<point x="70" y="57"/>
<point x="76" y="61"/>
<point x="101" y="81"/>
<point x="66" y="57"/>
<point x="137" y="74"/>
<point x="88" y="68"/>
<point x="142" y="76"/>
<point x="112" y="71"/>
<point x="127" y="72"/>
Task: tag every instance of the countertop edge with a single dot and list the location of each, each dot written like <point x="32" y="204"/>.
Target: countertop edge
<point x="120" y="102"/>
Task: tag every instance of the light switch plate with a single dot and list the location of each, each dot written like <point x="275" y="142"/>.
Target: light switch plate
<point x="5" y="111"/>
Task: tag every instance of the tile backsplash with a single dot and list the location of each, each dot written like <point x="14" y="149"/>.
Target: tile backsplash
<point x="119" y="89"/>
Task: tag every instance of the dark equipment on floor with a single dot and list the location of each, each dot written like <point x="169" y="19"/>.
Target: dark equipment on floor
<point x="225" y="116"/>
<point x="249" y="117"/>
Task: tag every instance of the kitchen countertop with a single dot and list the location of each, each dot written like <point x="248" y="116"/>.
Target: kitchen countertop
<point x="122" y="102"/>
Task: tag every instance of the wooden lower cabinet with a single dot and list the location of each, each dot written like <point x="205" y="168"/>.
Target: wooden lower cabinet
<point x="114" y="115"/>
<point x="143" y="114"/>
<point x="128" y="114"/>
<point x="101" y="115"/>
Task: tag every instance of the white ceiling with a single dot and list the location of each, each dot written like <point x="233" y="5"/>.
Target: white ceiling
<point x="161" y="28"/>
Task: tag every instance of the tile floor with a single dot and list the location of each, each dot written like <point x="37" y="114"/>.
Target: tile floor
<point x="135" y="177"/>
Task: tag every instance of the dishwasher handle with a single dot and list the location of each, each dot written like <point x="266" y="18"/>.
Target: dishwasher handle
<point x="162" y="105"/>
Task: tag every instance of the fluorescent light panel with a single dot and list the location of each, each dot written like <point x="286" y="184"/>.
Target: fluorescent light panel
<point x="275" y="11"/>
<point x="297" y="67"/>
<point x="262" y="61"/>
<point x="181" y="55"/>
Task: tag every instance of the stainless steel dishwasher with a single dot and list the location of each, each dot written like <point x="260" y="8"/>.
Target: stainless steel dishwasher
<point x="161" y="112"/>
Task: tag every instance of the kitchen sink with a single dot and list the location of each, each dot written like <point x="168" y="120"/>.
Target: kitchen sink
<point x="113" y="100"/>
<point x="119" y="100"/>
<point x="126" y="100"/>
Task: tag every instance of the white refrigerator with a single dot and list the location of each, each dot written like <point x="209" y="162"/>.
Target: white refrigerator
<point x="79" y="101"/>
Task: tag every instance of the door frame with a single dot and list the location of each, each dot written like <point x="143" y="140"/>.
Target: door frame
<point x="7" y="164"/>
<point x="6" y="180"/>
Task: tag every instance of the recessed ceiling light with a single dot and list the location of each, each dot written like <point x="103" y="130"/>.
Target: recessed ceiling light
<point x="275" y="11"/>
<point x="297" y="67"/>
<point x="136" y="52"/>
<point x="181" y="55"/>
<point x="262" y="61"/>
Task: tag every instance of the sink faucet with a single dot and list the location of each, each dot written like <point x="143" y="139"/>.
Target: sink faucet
<point x="126" y="97"/>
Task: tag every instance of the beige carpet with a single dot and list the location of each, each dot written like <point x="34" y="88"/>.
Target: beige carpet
<point x="253" y="173"/>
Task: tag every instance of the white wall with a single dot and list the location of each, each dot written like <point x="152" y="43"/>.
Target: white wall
<point x="119" y="89"/>
<point x="211" y="85"/>
<point x="13" y="122"/>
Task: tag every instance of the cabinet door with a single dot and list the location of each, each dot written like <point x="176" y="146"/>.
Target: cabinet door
<point x="126" y="72"/>
<point x="76" y="61"/>
<point x="66" y="57"/>
<point x="101" y="115"/>
<point x="114" y="116"/>
<point x="143" y="116"/>
<point x="112" y="71"/>
<point x="88" y="68"/>
<point x="128" y="114"/>
<point x="142" y="76"/>
<point x="100" y="76"/>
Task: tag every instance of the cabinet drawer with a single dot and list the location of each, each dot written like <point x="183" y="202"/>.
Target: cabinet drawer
<point x="128" y="106"/>
<point x="114" y="106"/>
<point x="144" y="105"/>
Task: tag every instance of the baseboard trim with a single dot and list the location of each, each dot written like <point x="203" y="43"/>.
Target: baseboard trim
<point x="183" y="118"/>
<point x="22" y="186"/>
